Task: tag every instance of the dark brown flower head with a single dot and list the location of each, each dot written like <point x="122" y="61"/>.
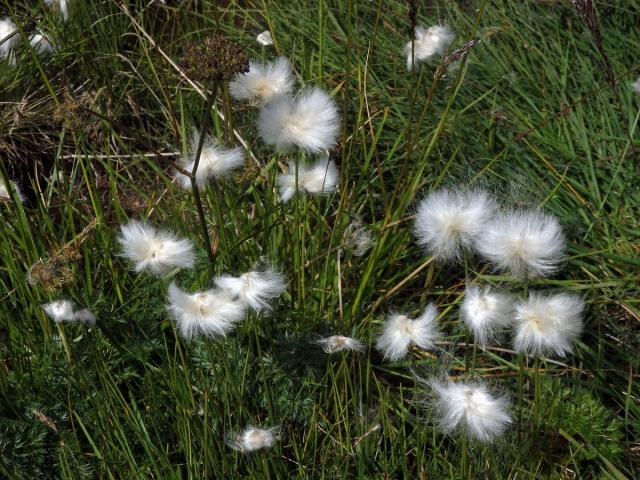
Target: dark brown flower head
<point x="214" y="58"/>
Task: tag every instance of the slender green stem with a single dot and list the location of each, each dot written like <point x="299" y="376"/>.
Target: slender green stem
<point x="196" y="161"/>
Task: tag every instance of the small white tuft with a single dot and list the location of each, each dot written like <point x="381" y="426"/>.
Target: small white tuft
<point x="526" y="244"/>
<point x="309" y="121"/>
<point x="635" y="86"/>
<point x="448" y="222"/>
<point x="357" y="238"/>
<point x="483" y="311"/>
<point x="470" y="408"/>
<point x="209" y="313"/>
<point x="154" y="250"/>
<point x="400" y="332"/>
<point x="215" y="162"/>
<point x="548" y="324"/>
<point x="61" y="5"/>
<point x="84" y="316"/>
<point x="254" y="288"/>
<point x="59" y="311"/>
<point x="427" y="43"/>
<point x="9" y="37"/>
<point x="40" y="43"/>
<point x="320" y="178"/>
<point x="4" y="191"/>
<point x="254" y="438"/>
<point x="338" y="343"/>
<point x="265" y="38"/>
<point x="263" y="81"/>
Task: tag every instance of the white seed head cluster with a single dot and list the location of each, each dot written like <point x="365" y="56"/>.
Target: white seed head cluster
<point x="471" y="409"/>
<point x="548" y="324"/>
<point x="254" y="438"/>
<point x="484" y="311"/>
<point x="428" y="42"/>
<point x="154" y="250"/>
<point x="9" y="37"/>
<point x="210" y="313"/>
<point x="215" y="162"/>
<point x="339" y="343"/>
<point x="254" y="288"/>
<point x="525" y="244"/>
<point x="265" y="38"/>
<point x="319" y="178"/>
<point x="400" y="332"/>
<point x="309" y="121"/>
<point x="64" y="311"/>
<point x="448" y="222"/>
<point x="263" y="81"/>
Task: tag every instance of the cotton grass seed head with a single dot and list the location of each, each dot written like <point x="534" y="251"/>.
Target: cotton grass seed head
<point x="59" y="311"/>
<point x="471" y="409"/>
<point x="214" y="58"/>
<point x="339" y="343"/>
<point x="309" y="121"/>
<point x="525" y="244"/>
<point x="447" y="222"/>
<point x="428" y="42"/>
<point x="263" y="81"/>
<point x="5" y="194"/>
<point x="210" y="313"/>
<point x="635" y="86"/>
<point x="84" y="316"/>
<point x="254" y="288"/>
<point x="484" y="310"/>
<point x="61" y="5"/>
<point x="9" y="37"/>
<point x="400" y="332"/>
<point x="254" y="438"/>
<point x="357" y="239"/>
<point x="321" y="177"/>
<point x="548" y="324"/>
<point x="40" y="43"/>
<point x="265" y="38"/>
<point x="215" y="162"/>
<point x="154" y="250"/>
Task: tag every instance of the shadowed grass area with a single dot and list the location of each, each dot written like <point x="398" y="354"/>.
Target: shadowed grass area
<point x="91" y="134"/>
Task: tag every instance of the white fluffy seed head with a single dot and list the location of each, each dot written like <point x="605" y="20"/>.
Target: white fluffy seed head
<point x="428" y="42"/>
<point x="321" y="177"/>
<point x="484" y="311"/>
<point x="400" y="332"/>
<point x="254" y="288"/>
<point x="339" y="343"/>
<point x="471" y="409"/>
<point x="4" y="191"/>
<point x="84" y="316"/>
<point x="263" y="81"/>
<point x="525" y="244"/>
<point x="309" y="121"/>
<point x="215" y="162"/>
<point x="447" y="222"/>
<point x="210" y="313"/>
<point x="548" y="324"/>
<point x="9" y="37"/>
<point x="40" y="43"/>
<point x="357" y="238"/>
<point x="254" y="438"/>
<point x="265" y="38"/>
<point x="59" y="311"/>
<point x="154" y="250"/>
<point x="60" y="5"/>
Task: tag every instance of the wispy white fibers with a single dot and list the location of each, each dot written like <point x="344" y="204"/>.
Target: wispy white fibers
<point x="635" y="86"/>
<point x="339" y="343"/>
<point x="427" y="43"/>
<point x="209" y="313"/>
<point x="471" y="409"/>
<point x="9" y="37"/>
<point x="61" y="5"/>
<point x="400" y="332"/>
<point x="448" y="222"/>
<point x="254" y="438"/>
<point x="215" y="162"/>
<point x="265" y="38"/>
<point x="321" y="177"/>
<point x="59" y="311"/>
<point x="263" y="81"/>
<point x="154" y="250"/>
<point x="4" y="191"/>
<point x="357" y="238"/>
<point x="484" y="310"/>
<point x="84" y="316"/>
<point x="254" y="288"/>
<point x="40" y="43"/>
<point x="526" y="244"/>
<point x="309" y="120"/>
<point x="548" y="324"/>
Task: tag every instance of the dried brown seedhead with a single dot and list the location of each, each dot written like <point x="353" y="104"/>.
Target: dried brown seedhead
<point x="54" y="272"/>
<point x="214" y="58"/>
